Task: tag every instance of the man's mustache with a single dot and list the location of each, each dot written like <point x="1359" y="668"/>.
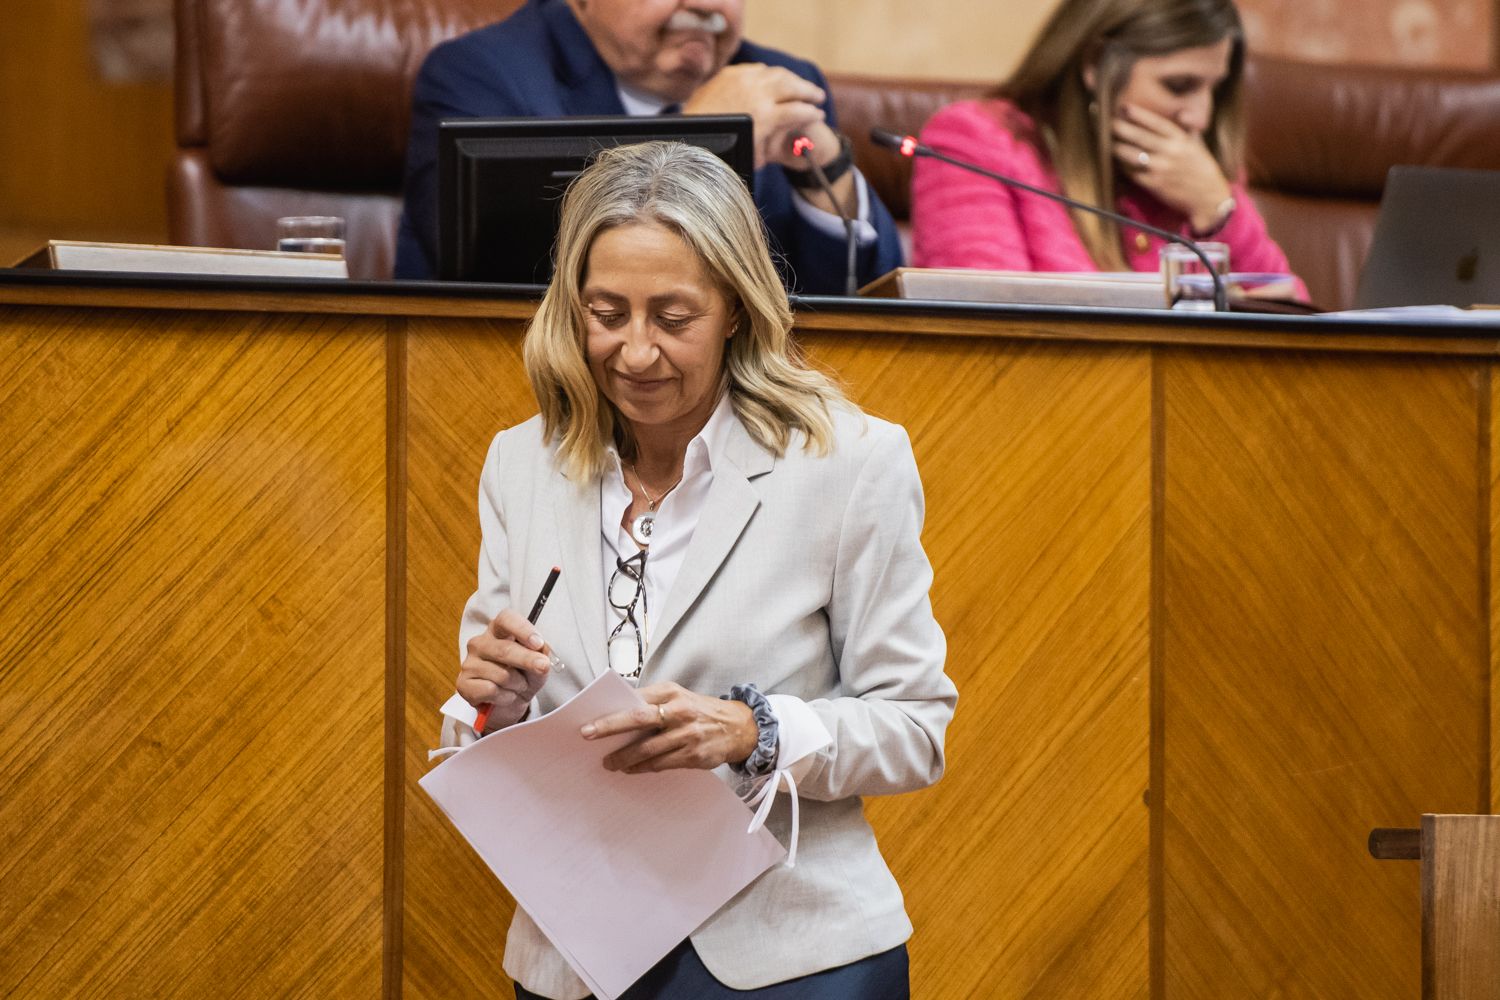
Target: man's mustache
<point x="691" y="20"/>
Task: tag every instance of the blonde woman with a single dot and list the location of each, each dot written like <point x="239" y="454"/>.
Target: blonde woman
<point x="735" y="538"/>
<point x="1132" y="105"/>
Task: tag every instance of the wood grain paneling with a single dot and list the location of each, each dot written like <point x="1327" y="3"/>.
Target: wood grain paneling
<point x="465" y="383"/>
<point x="1035" y="461"/>
<point x="1323" y="667"/>
<point x="1250" y="566"/>
<point x="1461" y="907"/>
<point x="1492" y="593"/>
<point x="191" y="641"/>
<point x="81" y="158"/>
<point x="1040" y="547"/>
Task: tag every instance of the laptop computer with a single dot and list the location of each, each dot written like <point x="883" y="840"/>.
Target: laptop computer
<point x="1437" y="240"/>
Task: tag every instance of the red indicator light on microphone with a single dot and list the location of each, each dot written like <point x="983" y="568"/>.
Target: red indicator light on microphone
<point x="801" y="145"/>
<point x="909" y="146"/>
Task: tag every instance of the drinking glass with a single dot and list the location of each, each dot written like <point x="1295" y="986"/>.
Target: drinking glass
<point x="1188" y="284"/>
<point x="310" y="234"/>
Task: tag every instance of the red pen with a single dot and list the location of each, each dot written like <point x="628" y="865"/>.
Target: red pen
<point x="536" y="612"/>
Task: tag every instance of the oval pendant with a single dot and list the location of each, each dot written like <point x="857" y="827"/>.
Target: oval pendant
<point x="640" y="529"/>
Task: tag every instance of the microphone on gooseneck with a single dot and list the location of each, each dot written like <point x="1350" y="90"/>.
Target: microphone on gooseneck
<point x="802" y="146"/>
<point x="908" y="146"/>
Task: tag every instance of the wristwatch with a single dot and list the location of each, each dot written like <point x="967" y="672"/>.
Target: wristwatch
<point x="833" y="169"/>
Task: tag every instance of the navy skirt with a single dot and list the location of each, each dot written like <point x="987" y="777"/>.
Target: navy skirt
<point x="681" y="976"/>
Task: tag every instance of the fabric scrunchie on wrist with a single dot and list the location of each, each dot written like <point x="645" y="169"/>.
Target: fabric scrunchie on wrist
<point x="762" y="761"/>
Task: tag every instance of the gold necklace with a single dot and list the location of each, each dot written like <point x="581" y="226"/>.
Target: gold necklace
<point x="640" y="528"/>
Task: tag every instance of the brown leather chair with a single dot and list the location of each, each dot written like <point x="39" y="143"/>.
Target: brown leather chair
<point x="286" y="107"/>
<point x="291" y="108"/>
<point x="1321" y="140"/>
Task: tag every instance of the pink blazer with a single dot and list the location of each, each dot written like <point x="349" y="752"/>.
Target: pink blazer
<point x="963" y="220"/>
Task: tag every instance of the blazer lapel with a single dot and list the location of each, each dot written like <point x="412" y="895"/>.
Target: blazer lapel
<point x="730" y="503"/>
<point x="577" y="512"/>
<point x="587" y="85"/>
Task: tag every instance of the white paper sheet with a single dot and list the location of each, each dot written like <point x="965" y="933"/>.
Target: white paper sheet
<point x="616" y="869"/>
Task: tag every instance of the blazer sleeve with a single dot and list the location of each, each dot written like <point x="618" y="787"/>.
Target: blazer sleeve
<point x="452" y="83"/>
<point x="492" y="592"/>
<point x="960" y="219"/>
<point x="889" y="721"/>
<point x="1251" y="247"/>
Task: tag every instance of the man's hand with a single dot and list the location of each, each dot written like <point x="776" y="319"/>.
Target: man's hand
<point x="780" y="103"/>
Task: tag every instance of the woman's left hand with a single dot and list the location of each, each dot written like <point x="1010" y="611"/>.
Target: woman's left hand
<point x="1172" y="163"/>
<point x="678" y="728"/>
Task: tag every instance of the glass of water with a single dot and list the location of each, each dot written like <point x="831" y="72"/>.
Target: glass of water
<point x="310" y="234"/>
<point x="1188" y="284"/>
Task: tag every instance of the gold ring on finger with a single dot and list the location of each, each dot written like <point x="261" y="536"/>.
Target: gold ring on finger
<point x="661" y="717"/>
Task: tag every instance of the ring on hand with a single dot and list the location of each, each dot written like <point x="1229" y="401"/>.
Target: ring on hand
<point x="1143" y="158"/>
<point x="661" y="717"/>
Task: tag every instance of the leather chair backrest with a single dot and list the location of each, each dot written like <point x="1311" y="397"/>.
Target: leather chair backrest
<point x="1320" y="140"/>
<point x="291" y="107"/>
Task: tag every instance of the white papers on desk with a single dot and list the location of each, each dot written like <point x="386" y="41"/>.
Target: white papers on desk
<point x="616" y="869"/>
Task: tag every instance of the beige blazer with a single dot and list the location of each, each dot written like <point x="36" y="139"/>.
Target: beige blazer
<point x="805" y="576"/>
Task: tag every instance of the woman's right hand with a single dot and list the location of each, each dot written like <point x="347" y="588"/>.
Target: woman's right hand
<point x="1172" y="162"/>
<point x="506" y="666"/>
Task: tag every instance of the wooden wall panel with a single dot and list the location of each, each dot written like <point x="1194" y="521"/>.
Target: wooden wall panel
<point x="78" y="157"/>
<point x="192" y="539"/>
<point x="465" y="383"/>
<point x="1324" y="660"/>
<point x="1452" y="34"/>
<point x="1040" y="886"/>
<point x="190" y="646"/>
<point x="1036" y="465"/>
<point x="1492" y="590"/>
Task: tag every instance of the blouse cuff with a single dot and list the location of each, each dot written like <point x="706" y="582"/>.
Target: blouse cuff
<point x="801" y="735"/>
<point x="832" y="226"/>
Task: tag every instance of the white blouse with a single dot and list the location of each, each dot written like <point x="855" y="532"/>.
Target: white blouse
<point x="800" y="731"/>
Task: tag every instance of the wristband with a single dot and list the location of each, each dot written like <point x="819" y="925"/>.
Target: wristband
<point x="762" y="760"/>
<point x="834" y="169"/>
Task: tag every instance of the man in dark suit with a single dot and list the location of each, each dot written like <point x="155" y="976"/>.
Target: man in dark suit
<point x="597" y="57"/>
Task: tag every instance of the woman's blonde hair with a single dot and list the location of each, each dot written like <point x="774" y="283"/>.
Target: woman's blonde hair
<point x="1074" y="123"/>
<point x="694" y="194"/>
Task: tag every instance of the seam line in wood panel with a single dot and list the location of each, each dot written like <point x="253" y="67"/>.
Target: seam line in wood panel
<point x="1156" y="876"/>
<point x="1486" y="659"/>
<point x="393" y="874"/>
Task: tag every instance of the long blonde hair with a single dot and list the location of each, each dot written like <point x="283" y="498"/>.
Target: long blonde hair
<point x="1074" y="123"/>
<point x="696" y="195"/>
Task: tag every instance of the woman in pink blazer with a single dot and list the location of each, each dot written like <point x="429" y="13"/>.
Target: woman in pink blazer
<point x="1132" y="105"/>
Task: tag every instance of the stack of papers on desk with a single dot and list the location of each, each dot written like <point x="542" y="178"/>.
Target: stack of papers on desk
<point x="144" y="258"/>
<point x="1109" y="289"/>
<point x="616" y="869"/>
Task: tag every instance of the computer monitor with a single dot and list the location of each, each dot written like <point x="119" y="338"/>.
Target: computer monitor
<point x="501" y="181"/>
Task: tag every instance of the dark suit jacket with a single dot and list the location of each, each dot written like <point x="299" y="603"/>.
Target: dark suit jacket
<point x="539" y="62"/>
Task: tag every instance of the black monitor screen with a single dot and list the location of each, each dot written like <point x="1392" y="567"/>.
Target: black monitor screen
<point x="501" y="181"/>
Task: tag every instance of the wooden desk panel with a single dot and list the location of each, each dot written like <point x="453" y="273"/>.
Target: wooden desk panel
<point x="191" y="644"/>
<point x="1217" y="602"/>
<point x="1025" y="869"/>
<point x="465" y="382"/>
<point x="1324" y="663"/>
